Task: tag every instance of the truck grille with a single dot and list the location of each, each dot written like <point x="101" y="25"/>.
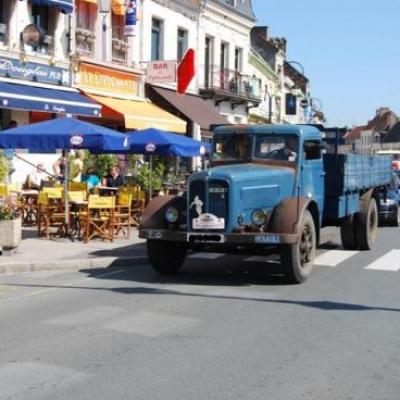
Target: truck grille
<point x="211" y="196"/>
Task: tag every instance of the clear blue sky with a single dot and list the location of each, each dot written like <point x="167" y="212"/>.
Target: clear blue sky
<point x="350" y="50"/>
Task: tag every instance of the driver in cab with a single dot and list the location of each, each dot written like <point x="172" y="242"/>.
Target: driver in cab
<point x="287" y="153"/>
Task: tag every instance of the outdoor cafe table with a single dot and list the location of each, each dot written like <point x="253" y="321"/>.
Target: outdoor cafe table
<point x="107" y="190"/>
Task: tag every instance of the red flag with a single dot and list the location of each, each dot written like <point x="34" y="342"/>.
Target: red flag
<point x="186" y="71"/>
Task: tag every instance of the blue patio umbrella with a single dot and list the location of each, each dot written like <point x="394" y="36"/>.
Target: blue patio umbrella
<point x="63" y="133"/>
<point x="163" y="143"/>
<point x="156" y="141"/>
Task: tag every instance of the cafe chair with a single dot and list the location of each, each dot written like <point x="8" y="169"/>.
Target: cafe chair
<point x="138" y="202"/>
<point x="77" y="186"/>
<point x="51" y="214"/>
<point x="122" y="216"/>
<point x="98" y="219"/>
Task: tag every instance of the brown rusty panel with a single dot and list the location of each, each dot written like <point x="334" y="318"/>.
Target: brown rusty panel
<point x="286" y="216"/>
<point x="153" y="215"/>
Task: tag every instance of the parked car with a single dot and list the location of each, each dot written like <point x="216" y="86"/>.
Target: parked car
<point x="389" y="203"/>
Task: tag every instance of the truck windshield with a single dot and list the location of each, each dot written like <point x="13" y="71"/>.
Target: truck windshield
<point x="232" y="147"/>
<point x="276" y="147"/>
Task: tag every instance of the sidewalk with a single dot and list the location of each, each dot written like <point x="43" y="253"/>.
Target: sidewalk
<point x="36" y="254"/>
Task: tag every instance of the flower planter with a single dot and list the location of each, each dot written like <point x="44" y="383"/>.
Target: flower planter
<point x="10" y="233"/>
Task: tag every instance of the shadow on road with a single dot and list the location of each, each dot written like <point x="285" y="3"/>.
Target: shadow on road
<point x="193" y="291"/>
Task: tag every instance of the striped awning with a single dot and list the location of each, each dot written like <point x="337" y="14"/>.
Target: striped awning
<point x="66" y="6"/>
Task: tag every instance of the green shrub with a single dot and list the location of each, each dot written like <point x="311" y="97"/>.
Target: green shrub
<point x="4" y="168"/>
<point x="100" y="162"/>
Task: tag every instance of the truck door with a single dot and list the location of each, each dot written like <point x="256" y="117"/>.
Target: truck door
<point x="313" y="174"/>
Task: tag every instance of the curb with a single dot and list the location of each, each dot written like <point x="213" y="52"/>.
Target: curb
<point x="72" y="265"/>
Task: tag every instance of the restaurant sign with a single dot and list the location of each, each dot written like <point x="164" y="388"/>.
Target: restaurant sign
<point x="34" y="72"/>
<point x="94" y="77"/>
<point x="161" y="72"/>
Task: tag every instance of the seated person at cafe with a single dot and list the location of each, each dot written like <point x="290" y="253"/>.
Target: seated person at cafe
<point x="114" y="177"/>
<point x="91" y="178"/>
<point x="35" y="179"/>
<point x="59" y="167"/>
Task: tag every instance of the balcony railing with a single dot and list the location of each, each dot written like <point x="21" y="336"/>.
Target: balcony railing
<point x="85" y="42"/>
<point x="119" y="46"/>
<point x="231" y="82"/>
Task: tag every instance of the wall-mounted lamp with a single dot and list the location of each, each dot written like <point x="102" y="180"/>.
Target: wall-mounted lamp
<point x="104" y="9"/>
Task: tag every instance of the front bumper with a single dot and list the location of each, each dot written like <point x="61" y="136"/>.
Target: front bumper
<point x="210" y="238"/>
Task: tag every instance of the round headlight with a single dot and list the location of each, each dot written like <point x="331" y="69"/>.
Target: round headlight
<point x="171" y="215"/>
<point x="258" y="217"/>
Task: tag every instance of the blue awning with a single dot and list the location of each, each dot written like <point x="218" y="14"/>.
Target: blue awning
<point x="35" y="98"/>
<point x="66" y="6"/>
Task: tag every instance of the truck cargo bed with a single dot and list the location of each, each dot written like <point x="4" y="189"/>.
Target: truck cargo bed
<point x="347" y="173"/>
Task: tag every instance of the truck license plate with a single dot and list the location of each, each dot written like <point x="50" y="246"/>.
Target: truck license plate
<point x="267" y="239"/>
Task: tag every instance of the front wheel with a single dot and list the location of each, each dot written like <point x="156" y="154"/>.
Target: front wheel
<point x="297" y="259"/>
<point x="165" y="257"/>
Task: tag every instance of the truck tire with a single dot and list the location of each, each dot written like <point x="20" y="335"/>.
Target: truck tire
<point x="396" y="218"/>
<point x="367" y="224"/>
<point x="165" y="257"/>
<point x="348" y="234"/>
<point x="297" y="259"/>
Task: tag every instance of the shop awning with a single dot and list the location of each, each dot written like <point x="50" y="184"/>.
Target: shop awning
<point x="193" y="107"/>
<point x="33" y="98"/>
<point x="140" y="114"/>
<point x="66" y="6"/>
<point x="118" y="7"/>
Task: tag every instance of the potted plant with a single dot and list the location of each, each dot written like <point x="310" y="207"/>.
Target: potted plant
<point x="10" y="226"/>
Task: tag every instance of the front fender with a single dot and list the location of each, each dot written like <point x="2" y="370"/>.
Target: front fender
<point x="288" y="214"/>
<point x="154" y="214"/>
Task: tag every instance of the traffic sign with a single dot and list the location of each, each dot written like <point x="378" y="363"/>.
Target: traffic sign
<point x="186" y="71"/>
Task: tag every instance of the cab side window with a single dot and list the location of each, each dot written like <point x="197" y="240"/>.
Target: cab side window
<point x="312" y="150"/>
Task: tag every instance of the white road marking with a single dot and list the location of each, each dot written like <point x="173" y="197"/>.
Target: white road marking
<point x="332" y="258"/>
<point x="207" y="256"/>
<point x="389" y="262"/>
<point x="90" y="315"/>
<point x="151" y="324"/>
<point x="262" y="259"/>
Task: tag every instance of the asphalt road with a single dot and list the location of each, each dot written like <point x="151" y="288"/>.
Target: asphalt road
<point x="226" y="328"/>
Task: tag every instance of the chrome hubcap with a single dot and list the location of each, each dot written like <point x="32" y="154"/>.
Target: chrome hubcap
<point x="306" y="246"/>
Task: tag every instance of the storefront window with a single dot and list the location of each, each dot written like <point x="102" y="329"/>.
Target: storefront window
<point x="86" y="26"/>
<point x="119" y="42"/>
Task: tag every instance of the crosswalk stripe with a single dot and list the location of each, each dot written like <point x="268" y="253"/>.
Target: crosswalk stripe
<point x="261" y="259"/>
<point x="207" y="256"/>
<point x="389" y="262"/>
<point x="333" y="258"/>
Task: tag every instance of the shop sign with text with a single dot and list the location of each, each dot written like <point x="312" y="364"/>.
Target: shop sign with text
<point x="161" y="72"/>
<point x="93" y="77"/>
<point x="34" y="72"/>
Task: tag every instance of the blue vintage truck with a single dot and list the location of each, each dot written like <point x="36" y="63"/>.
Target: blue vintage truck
<point x="270" y="188"/>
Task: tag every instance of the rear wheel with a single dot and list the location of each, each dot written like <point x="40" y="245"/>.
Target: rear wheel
<point x="165" y="257"/>
<point x="297" y="259"/>
<point x="396" y="218"/>
<point x="348" y="234"/>
<point x="367" y="224"/>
